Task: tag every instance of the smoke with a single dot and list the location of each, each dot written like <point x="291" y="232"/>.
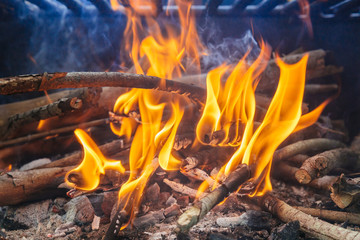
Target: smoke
<point x="58" y="35"/>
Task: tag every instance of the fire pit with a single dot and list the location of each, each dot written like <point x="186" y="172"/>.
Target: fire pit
<point x="195" y="124"/>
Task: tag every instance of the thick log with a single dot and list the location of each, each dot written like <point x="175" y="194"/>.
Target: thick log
<point x="47" y="81"/>
<point x="308" y="224"/>
<point x="345" y="191"/>
<point x="21" y="186"/>
<point x="321" y="164"/>
<point x="193" y="215"/>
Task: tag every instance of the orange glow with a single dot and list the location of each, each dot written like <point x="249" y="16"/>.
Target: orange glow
<point x="305" y="15"/>
<point x="94" y="164"/>
<point x="43" y="124"/>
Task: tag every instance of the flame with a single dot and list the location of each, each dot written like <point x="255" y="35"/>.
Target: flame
<point x="87" y="175"/>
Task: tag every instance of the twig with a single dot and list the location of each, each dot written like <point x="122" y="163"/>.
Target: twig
<point x="321" y="164"/>
<point x="306" y="146"/>
<point x="47" y="81"/>
<point x="193" y="215"/>
<point x="35" y="136"/>
<point x="181" y="188"/>
<point x="57" y="108"/>
<point x="335" y="216"/>
<point x="313" y="226"/>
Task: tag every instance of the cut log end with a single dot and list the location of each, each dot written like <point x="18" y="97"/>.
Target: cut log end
<point x="303" y="176"/>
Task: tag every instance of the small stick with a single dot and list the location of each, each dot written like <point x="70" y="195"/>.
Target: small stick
<point x="181" y="188"/>
<point x="47" y="81"/>
<point x="323" y="163"/>
<point x="313" y="226"/>
<point x="35" y="136"/>
<point x="193" y="215"/>
<point x="305" y="146"/>
<point x="336" y="216"/>
<point x="57" y="108"/>
<point x="320" y="88"/>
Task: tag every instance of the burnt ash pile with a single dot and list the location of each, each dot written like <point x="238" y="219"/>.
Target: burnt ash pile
<point x="314" y="172"/>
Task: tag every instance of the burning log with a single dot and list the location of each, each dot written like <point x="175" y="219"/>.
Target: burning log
<point x="308" y="224"/>
<point x="193" y="215"/>
<point x="323" y="163"/>
<point x="345" y="191"/>
<point x="57" y="108"/>
<point x="22" y="186"/>
<point x="335" y="216"/>
<point x="42" y="82"/>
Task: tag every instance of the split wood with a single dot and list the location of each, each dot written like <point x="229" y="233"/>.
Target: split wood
<point x="308" y="224"/>
<point x="57" y="108"/>
<point x="193" y="215"/>
<point x="336" y="216"/>
<point x="345" y="191"/>
<point x="321" y="164"/>
<point x="32" y="137"/>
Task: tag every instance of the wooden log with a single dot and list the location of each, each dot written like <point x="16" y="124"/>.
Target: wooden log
<point x="35" y="136"/>
<point x="321" y="88"/>
<point x="306" y="146"/>
<point x="335" y="216"/>
<point x="21" y="186"/>
<point x="57" y="108"/>
<point x="181" y="188"/>
<point x="47" y="81"/>
<point x="321" y="164"/>
<point x="193" y="215"/>
<point x="345" y="191"/>
<point x="308" y="224"/>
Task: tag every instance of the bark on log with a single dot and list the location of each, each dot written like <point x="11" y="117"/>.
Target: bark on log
<point x="345" y="191"/>
<point x="57" y="108"/>
<point x="306" y="146"/>
<point x="334" y="216"/>
<point x="35" y="136"/>
<point x="47" y="81"/>
<point x="308" y="224"/>
<point x="21" y="186"/>
<point x="194" y="214"/>
<point x="321" y="164"/>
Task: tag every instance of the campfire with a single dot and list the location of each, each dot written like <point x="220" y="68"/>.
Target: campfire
<point x="176" y="144"/>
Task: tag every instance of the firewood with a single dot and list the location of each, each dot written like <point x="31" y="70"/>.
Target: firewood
<point x="321" y="164"/>
<point x="47" y="81"/>
<point x="193" y="215"/>
<point x="345" y="191"/>
<point x="21" y="186"/>
<point x="320" y="88"/>
<point x="324" y="182"/>
<point x="335" y="216"/>
<point x="198" y="174"/>
<point x="181" y="188"/>
<point x="308" y="224"/>
<point x="35" y="136"/>
<point x="306" y="146"/>
<point x="57" y="108"/>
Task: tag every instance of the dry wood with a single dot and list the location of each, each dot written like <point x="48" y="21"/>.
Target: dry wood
<point x="181" y="188"/>
<point x="21" y="186"/>
<point x="57" y="108"/>
<point x="306" y="146"/>
<point x="345" y="191"/>
<point x="35" y="136"/>
<point x="313" y="226"/>
<point x="47" y="81"/>
<point x="193" y="215"/>
<point x="321" y="164"/>
<point x="324" y="182"/>
<point x="321" y="88"/>
<point x="199" y="175"/>
<point x="329" y="215"/>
